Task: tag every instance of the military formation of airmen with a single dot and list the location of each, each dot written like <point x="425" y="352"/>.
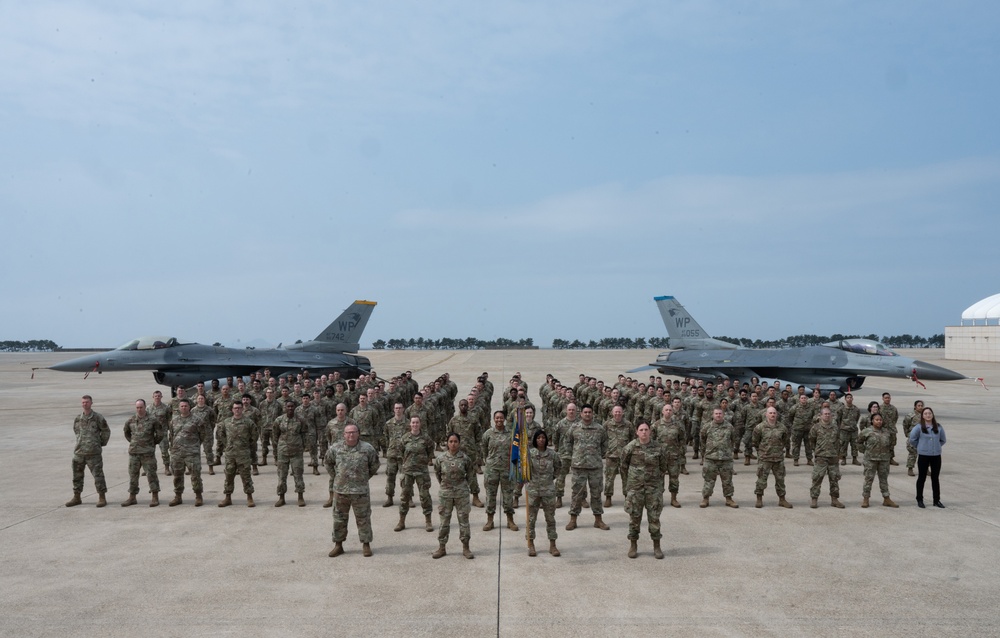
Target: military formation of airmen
<point x="587" y="431"/>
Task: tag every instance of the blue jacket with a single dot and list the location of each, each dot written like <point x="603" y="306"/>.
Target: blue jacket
<point x="927" y="444"/>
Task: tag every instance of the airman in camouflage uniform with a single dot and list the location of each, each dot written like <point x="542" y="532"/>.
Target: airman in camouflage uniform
<point x="417" y="450"/>
<point x="752" y="414"/>
<point x="769" y="437"/>
<point x="311" y="416"/>
<point x="394" y="430"/>
<point x="620" y="432"/>
<point x="560" y="441"/>
<point x="163" y="413"/>
<point x="238" y="437"/>
<point x="187" y="433"/>
<point x="909" y="422"/>
<point x="205" y="415"/>
<point x="544" y="464"/>
<point x="587" y="445"/>
<point x="270" y="409"/>
<point x="890" y="417"/>
<point x="825" y="440"/>
<point x="470" y="439"/>
<point x="456" y="474"/>
<point x="669" y="433"/>
<point x="801" y="416"/>
<point x="717" y="444"/>
<point x="876" y="442"/>
<point x="289" y="435"/>
<point x="92" y="433"/>
<point x="496" y="452"/>
<point x="847" y="422"/>
<point x="644" y="462"/>
<point x="143" y="434"/>
<point x="352" y="463"/>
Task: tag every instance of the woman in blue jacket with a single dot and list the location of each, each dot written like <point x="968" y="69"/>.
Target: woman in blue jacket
<point x="928" y="437"/>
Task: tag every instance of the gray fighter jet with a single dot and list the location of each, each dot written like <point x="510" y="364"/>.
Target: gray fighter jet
<point x="840" y="366"/>
<point x="175" y="362"/>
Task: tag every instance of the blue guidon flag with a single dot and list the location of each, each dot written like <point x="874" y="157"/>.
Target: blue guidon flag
<point x="520" y="468"/>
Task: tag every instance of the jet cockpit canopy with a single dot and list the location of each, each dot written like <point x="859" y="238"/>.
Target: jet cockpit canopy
<point x="863" y="346"/>
<point x="151" y="343"/>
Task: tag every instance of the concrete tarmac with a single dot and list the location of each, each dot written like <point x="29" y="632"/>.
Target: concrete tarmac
<point x="172" y="571"/>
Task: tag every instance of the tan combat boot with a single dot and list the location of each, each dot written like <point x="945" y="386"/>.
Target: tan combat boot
<point x="746" y="460"/>
<point x="263" y="461"/>
<point x="476" y="502"/>
<point x="301" y="500"/>
<point x="75" y="500"/>
<point x="834" y="501"/>
<point x="888" y="502"/>
<point x="813" y="503"/>
<point x="250" y="502"/>
<point x="155" y="499"/>
<point x="227" y="501"/>
<point x="553" y="549"/>
<point x="511" y="525"/>
<point x="731" y="503"/>
<point x="783" y="503"/>
<point x="673" y="500"/>
<point x="607" y="501"/>
<point x="129" y="501"/>
<point x="315" y="471"/>
<point x="657" y="552"/>
<point x="571" y="525"/>
<point x="855" y="461"/>
<point x="388" y="501"/>
<point x="366" y="550"/>
<point x="864" y="502"/>
<point x="428" y="525"/>
<point x="910" y="472"/>
<point x="466" y="551"/>
<point x="600" y="524"/>
<point x="255" y="471"/>
<point x="198" y="500"/>
<point x="795" y="462"/>
<point x="489" y="523"/>
<point x="401" y="525"/>
<point x="211" y="470"/>
<point x="559" y="502"/>
<point x="704" y="502"/>
<point x="338" y="549"/>
<point x="439" y="552"/>
<point x="760" y="502"/>
<point x="809" y="462"/>
<point x="329" y="501"/>
<point x="531" y="548"/>
<point x="102" y="501"/>
<point x="281" y="501"/>
<point x="633" y="550"/>
<point x="176" y="500"/>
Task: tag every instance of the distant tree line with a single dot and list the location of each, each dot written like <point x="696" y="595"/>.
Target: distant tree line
<point x="35" y="345"/>
<point x="640" y="343"/>
<point x="447" y="343"/>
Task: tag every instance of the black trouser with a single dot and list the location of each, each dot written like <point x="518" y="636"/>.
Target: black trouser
<point x="934" y="464"/>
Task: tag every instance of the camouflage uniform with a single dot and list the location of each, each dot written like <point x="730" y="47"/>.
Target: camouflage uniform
<point x="670" y="434"/>
<point x="394" y="431"/>
<point x="206" y="416"/>
<point x="877" y="446"/>
<point x="801" y="416"/>
<point x="289" y="435"/>
<point x="588" y="443"/>
<point x="644" y="467"/>
<point x="312" y="419"/>
<point x="238" y="437"/>
<point x="270" y="411"/>
<point x="143" y="434"/>
<point x="753" y="413"/>
<point x="717" y="444"/>
<point x="468" y="429"/>
<point x="825" y="441"/>
<point x="542" y="490"/>
<point x="847" y="423"/>
<point x="619" y="435"/>
<point x="890" y="417"/>
<point x="770" y="443"/>
<point x="335" y="430"/>
<point x="456" y="474"/>
<point x="560" y="441"/>
<point x="352" y="468"/>
<point x="496" y="470"/>
<point x="186" y="437"/>
<point x="417" y="451"/>
<point x="92" y="433"/>
<point x="163" y="413"/>
<point x="909" y="421"/>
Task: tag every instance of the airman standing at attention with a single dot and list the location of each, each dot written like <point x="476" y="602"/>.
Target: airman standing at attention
<point x="417" y="451"/>
<point x="496" y="471"/>
<point x="469" y="437"/>
<point x="619" y="435"/>
<point x="801" y="416"/>
<point x="588" y="444"/>
<point x="311" y="415"/>
<point x="186" y="435"/>
<point x="205" y="415"/>
<point x="717" y="444"/>
<point x="352" y="463"/>
<point x="890" y="417"/>
<point x="163" y="413"/>
<point x="143" y="434"/>
<point x="645" y="462"/>
<point x="560" y="441"/>
<point x="394" y="429"/>
<point x="769" y="437"/>
<point x="909" y="422"/>
<point x="92" y="433"/>
<point x="237" y="437"/>
<point x="669" y="433"/>
<point x="289" y="436"/>
<point x="825" y="439"/>
<point x="877" y="444"/>
<point x="456" y="474"/>
<point x="847" y="422"/>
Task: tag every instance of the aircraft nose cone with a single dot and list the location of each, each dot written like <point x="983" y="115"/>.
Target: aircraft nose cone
<point x="80" y="364"/>
<point x="931" y="372"/>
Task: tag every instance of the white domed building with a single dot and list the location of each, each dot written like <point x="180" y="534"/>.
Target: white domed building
<point x="977" y="338"/>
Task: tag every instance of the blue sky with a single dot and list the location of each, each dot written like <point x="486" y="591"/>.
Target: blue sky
<point x="240" y="171"/>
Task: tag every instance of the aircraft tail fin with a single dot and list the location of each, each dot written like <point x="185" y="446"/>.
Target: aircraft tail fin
<point x="683" y="330"/>
<point x="344" y="333"/>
